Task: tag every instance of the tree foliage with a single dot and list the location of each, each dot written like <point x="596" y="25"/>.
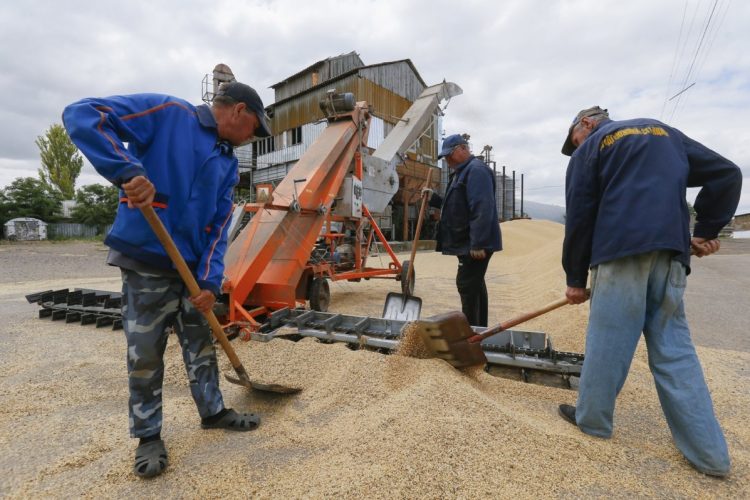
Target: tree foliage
<point x="29" y="197"/>
<point x="96" y="205"/>
<point x="61" y="161"/>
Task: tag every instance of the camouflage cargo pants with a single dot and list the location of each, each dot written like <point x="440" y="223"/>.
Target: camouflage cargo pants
<point x="151" y="303"/>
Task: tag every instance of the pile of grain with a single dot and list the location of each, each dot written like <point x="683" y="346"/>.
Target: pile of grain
<point x="366" y="424"/>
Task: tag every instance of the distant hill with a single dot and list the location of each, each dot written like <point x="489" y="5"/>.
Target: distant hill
<point x="544" y="211"/>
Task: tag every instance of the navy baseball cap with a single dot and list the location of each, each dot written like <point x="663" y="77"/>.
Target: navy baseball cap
<point x="568" y="146"/>
<point x="244" y="93"/>
<point x="450" y="143"/>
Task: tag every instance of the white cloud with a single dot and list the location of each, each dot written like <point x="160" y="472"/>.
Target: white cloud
<point x="526" y="67"/>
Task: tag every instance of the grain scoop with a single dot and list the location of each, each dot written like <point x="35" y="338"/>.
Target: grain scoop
<point x="450" y="337"/>
<point x="404" y="306"/>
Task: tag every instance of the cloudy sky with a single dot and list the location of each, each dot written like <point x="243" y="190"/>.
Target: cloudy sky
<point x="526" y="66"/>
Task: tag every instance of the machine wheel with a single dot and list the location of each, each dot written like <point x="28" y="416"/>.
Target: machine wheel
<point x="407" y="288"/>
<point x="319" y="295"/>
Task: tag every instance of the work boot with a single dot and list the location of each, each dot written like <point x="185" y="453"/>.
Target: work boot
<point x="568" y="413"/>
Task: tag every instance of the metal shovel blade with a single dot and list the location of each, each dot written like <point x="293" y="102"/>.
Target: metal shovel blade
<point x="402" y="307"/>
<point x="277" y="388"/>
<point x="446" y="337"/>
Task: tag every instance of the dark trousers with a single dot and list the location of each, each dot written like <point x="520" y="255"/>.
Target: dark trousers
<point x="472" y="288"/>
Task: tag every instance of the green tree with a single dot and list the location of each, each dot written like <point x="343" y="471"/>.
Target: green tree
<point x="96" y="205"/>
<point x="29" y="197"/>
<point x="61" y="161"/>
<point x="4" y="208"/>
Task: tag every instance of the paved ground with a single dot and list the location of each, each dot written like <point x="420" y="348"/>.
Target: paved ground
<point x="718" y="297"/>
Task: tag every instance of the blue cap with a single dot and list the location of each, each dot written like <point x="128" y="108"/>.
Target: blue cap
<point x="450" y="143"/>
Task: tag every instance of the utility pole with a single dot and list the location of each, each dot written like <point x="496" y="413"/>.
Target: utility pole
<point x="504" y="198"/>
<point x="513" y="213"/>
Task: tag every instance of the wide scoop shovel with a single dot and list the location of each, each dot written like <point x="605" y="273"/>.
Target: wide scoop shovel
<point x="406" y="307"/>
<point x="194" y="289"/>
<point x="450" y="337"/>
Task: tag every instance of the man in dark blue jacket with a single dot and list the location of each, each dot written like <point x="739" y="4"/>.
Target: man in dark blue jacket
<point x="179" y="159"/>
<point x="627" y="219"/>
<point x="469" y="227"/>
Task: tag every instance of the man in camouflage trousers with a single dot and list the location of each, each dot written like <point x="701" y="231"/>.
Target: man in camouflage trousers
<point x="178" y="159"/>
<point x="150" y="304"/>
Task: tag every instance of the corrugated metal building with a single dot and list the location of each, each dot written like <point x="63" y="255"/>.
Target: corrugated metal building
<point x="297" y="121"/>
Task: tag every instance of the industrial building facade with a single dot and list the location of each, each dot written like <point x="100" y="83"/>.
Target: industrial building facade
<point x="297" y="121"/>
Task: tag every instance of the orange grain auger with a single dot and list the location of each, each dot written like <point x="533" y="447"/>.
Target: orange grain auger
<point x="289" y="250"/>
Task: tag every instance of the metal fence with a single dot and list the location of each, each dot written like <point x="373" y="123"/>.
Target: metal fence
<point x="67" y="230"/>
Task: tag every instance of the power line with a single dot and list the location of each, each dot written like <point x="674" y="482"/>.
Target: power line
<point x="695" y="56"/>
<point x="685" y="41"/>
<point x="674" y="61"/>
<point x="681" y="91"/>
<point x="714" y="35"/>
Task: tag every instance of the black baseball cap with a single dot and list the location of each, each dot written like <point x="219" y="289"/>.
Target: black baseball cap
<point x="245" y="93"/>
<point x="568" y="146"/>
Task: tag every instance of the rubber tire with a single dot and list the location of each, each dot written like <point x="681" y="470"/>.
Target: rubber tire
<point x="320" y="295"/>
<point x="404" y="270"/>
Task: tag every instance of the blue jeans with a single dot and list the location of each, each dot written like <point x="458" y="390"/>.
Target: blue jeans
<point x="643" y="293"/>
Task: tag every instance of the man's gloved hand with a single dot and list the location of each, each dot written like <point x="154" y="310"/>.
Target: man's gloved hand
<point x="427" y="191"/>
<point x="478" y="254"/>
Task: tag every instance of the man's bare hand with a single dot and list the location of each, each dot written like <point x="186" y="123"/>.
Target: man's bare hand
<point x="204" y="301"/>
<point x="140" y="192"/>
<point x="478" y="254"/>
<point x="576" y="295"/>
<point x="701" y="247"/>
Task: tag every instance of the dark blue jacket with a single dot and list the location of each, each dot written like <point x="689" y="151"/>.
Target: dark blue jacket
<point x="625" y="194"/>
<point x="468" y="217"/>
<point x="176" y="146"/>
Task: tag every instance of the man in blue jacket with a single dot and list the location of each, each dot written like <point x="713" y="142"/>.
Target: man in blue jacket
<point x="469" y="227"/>
<point x="179" y="159"/>
<point x="627" y="219"/>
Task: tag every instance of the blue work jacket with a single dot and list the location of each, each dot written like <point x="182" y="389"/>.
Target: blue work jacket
<point x="176" y="146"/>
<point x="625" y="192"/>
<point x="468" y="216"/>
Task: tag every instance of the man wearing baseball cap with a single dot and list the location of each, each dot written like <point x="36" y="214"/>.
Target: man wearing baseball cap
<point x="230" y="94"/>
<point x="627" y="221"/>
<point x="469" y="226"/>
<point x="179" y="159"/>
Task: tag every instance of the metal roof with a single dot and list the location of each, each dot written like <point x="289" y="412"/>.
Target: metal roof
<point x="327" y="83"/>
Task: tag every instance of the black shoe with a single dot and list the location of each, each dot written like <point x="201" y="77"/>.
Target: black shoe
<point x="568" y="413"/>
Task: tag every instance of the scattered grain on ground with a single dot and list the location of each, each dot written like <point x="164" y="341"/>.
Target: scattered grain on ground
<point x="366" y="424"/>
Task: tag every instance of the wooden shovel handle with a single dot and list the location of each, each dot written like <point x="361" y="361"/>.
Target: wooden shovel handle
<point x="520" y="319"/>
<point x="418" y="230"/>
<point x="192" y="285"/>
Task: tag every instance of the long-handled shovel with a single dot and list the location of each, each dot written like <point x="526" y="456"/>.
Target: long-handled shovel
<point x="194" y="289"/>
<point x="450" y="337"/>
<point x="406" y="307"/>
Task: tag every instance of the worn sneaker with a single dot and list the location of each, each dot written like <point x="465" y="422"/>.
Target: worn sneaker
<point x="712" y="473"/>
<point x="568" y="413"/>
